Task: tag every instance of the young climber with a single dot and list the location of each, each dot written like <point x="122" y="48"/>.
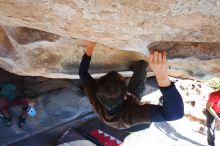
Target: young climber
<point x="8" y="99"/>
<point x="212" y="115"/>
<point x="117" y="104"/>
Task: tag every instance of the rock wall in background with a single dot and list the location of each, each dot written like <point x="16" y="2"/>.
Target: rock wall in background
<point x="45" y="37"/>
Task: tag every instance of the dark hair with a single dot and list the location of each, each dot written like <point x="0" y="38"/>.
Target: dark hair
<point x="112" y="86"/>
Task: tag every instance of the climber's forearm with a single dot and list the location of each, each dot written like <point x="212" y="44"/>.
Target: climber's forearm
<point x="85" y="62"/>
<point x="83" y="69"/>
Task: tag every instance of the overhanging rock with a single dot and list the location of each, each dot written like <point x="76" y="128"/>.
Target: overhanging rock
<point x="44" y="38"/>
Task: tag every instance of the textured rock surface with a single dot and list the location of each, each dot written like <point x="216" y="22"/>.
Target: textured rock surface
<point x="45" y="37"/>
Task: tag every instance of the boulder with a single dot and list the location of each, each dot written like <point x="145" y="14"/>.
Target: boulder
<point x="45" y="38"/>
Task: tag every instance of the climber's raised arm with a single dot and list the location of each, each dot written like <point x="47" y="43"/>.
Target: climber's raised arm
<point x="85" y="62"/>
<point x="173" y="107"/>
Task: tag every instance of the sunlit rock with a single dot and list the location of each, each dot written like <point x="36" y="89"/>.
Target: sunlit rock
<point x="45" y="38"/>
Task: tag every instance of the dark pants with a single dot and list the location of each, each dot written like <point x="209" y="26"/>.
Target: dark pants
<point x="210" y="121"/>
<point x="136" y="87"/>
<point x="6" y="104"/>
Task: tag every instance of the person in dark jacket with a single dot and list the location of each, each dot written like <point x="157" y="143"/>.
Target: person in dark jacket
<point x="118" y="104"/>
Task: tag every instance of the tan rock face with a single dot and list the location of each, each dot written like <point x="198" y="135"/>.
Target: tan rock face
<point x="45" y="37"/>
<point x="5" y="44"/>
<point x="24" y="35"/>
